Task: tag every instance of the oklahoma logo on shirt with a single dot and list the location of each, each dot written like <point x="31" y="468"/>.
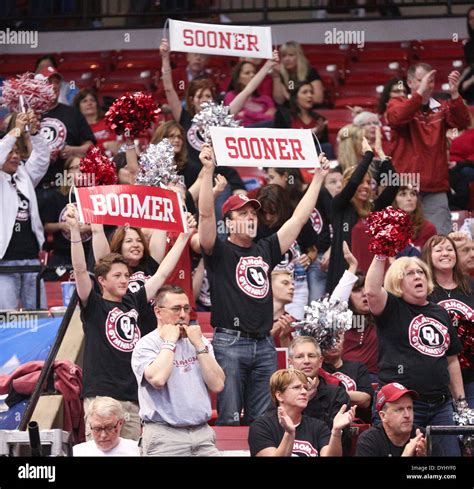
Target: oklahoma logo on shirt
<point x="122" y="330"/>
<point x="137" y="281"/>
<point x="316" y="221"/>
<point x="458" y="309"/>
<point x="428" y="336"/>
<point x="302" y="448"/>
<point x="54" y="131"/>
<point x="348" y="383"/>
<point x="252" y="277"/>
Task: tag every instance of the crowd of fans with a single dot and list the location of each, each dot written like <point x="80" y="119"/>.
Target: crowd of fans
<point x="255" y="259"/>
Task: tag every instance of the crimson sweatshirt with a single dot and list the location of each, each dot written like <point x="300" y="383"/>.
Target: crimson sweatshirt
<point x="419" y="138"/>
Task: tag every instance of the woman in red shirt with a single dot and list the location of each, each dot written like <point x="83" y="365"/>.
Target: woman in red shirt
<point x="87" y="103"/>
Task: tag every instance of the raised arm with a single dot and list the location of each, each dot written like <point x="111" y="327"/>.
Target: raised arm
<point x="376" y="294"/>
<point x="456" y="385"/>
<point x="239" y="101"/>
<point x="344" y="287"/>
<point x="290" y="230"/>
<point x="207" y="216"/>
<point x="78" y="258"/>
<point x="344" y="197"/>
<point x="342" y="420"/>
<point x="171" y="95"/>
<point x="169" y="263"/>
<point x="100" y="245"/>
<point x="158" y="245"/>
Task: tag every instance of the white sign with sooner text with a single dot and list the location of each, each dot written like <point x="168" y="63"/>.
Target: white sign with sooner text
<point x="245" y="41"/>
<point x="264" y="147"/>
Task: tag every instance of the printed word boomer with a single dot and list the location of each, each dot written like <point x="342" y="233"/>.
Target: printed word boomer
<point x="125" y="205"/>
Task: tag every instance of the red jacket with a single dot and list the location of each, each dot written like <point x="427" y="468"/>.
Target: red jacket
<point x="67" y="381"/>
<point x="419" y="138"/>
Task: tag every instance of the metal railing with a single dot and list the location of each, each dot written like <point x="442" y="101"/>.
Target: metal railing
<point x="88" y="14"/>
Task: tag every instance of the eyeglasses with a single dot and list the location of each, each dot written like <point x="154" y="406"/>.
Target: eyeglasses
<point x="108" y="429"/>
<point x="412" y="273"/>
<point x="177" y="309"/>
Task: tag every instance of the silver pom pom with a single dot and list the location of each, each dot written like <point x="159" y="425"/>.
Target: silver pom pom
<point x="465" y="417"/>
<point x="325" y="320"/>
<point x="213" y="115"/>
<point x="157" y="167"/>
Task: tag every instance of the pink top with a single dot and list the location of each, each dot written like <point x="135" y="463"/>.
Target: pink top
<point x="254" y="110"/>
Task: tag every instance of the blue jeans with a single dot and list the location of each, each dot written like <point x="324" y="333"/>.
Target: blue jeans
<point x="316" y="279"/>
<point x="20" y="287"/>
<point x="469" y="391"/>
<point x="248" y="365"/>
<point x="438" y="415"/>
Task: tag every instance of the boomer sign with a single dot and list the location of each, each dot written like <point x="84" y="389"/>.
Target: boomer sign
<point x="264" y="147"/>
<point x="135" y="205"/>
<point x="246" y="41"/>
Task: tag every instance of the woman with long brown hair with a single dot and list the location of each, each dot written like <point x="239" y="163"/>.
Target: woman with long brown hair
<point x="407" y="199"/>
<point x="350" y="209"/>
<point x="454" y="292"/>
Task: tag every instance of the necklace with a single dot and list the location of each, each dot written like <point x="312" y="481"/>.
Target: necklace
<point x="448" y="292"/>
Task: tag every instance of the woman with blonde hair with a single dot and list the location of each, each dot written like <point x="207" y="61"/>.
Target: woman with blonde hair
<point x="274" y="434"/>
<point x="349" y="143"/>
<point x="418" y="345"/>
<point x="350" y="209"/>
<point x="295" y="67"/>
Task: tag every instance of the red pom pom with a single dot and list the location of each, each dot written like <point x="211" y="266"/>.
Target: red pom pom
<point x="132" y="114"/>
<point x="96" y="169"/>
<point x="39" y="94"/>
<point x="390" y="231"/>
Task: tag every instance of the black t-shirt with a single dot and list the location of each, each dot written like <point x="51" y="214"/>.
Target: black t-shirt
<point x="414" y="342"/>
<point x="266" y="432"/>
<point x="194" y="142"/>
<point x="63" y="125"/>
<point x="23" y="244"/>
<point x="353" y="375"/>
<point x="460" y="307"/>
<point x="374" y="442"/>
<point x="239" y="278"/>
<point x="140" y="274"/>
<point x="54" y="211"/>
<point x="327" y="402"/>
<point x="112" y="330"/>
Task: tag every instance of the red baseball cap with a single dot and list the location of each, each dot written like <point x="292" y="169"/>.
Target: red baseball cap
<point x="48" y="72"/>
<point x="237" y="201"/>
<point x="392" y="392"/>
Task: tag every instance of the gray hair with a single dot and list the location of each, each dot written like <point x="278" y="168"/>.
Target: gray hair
<point x="303" y="339"/>
<point x="363" y="117"/>
<point x="105" y="407"/>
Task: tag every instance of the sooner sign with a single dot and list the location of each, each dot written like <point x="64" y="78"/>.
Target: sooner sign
<point x="192" y="37"/>
<point x="264" y="147"/>
<point x="138" y="206"/>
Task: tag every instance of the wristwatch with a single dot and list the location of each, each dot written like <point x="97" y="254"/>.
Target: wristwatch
<point x="205" y="349"/>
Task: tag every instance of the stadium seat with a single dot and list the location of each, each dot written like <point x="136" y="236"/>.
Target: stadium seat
<point x="386" y="54"/>
<point x="204" y="320"/>
<point x="231" y="437"/>
<point x="356" y="430"/>
<point x="367" y="102"/>
<point x="117" y="89"/>
<point x="142" y="64"/>
<point x="53" y="294"/>
<point x="12" y="69"/>
<point x="82" y="65"/>
<point x="139" y="75"/>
